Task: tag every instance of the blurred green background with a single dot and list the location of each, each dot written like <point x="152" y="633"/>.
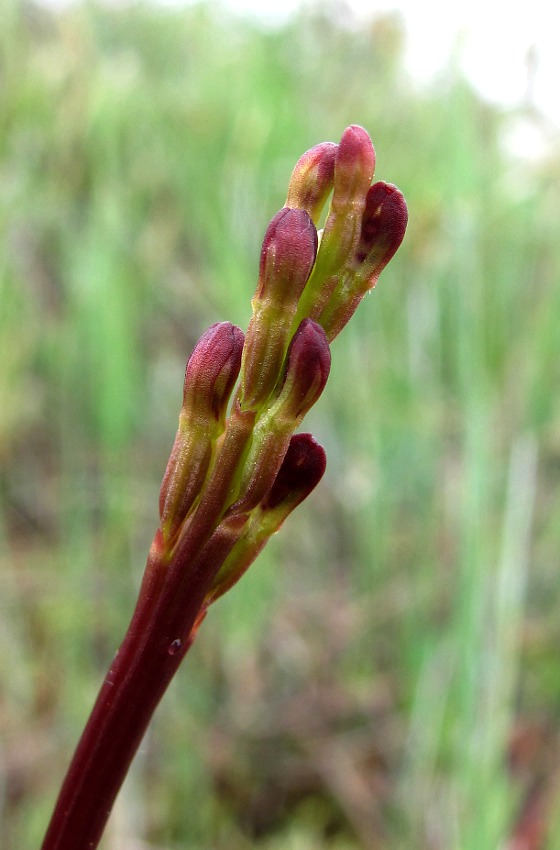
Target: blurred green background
<point x="387" y="675"/>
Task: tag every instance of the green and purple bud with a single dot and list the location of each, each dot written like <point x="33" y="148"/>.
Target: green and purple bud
<point x="353" y="172"/>
<point x="307" y="369"/>
<point x="287" y="257"/>
<point x="301" y="470"/>
<point x="210" y="376"/>
<point x="312" y="180"/>
<point x="383" y="227"/>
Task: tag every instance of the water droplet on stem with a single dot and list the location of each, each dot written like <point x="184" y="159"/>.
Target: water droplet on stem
<point x="174" y="647"/>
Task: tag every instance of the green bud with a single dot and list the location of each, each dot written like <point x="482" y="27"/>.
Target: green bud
<point x="185" y="474"/>
<point x="222" y="482"/>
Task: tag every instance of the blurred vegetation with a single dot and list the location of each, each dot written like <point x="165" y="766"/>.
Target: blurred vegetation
<point x="387" y="676"/>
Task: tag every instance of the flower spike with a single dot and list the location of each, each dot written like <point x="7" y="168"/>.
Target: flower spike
<point x="237" y="469"/>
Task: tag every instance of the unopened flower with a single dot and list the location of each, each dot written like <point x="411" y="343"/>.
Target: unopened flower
<point x="237" y="469"/>
<point x="382" y="230"/>
<point x="354" y="166"/>
<point x="301" y="470"/>
<point x="210" y="376"/>
<point x="305" y="374"/>
<point x="287" y="257"/>
<point x="312" y="179"/>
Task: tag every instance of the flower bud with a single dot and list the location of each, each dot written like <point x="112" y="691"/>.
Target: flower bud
<point x="354" y="168"/>
<point x="221" y="485"/>
<point x="312" y="179"/>
<point x="383" y="227"/>
<point x="301" y="470"/>
<point x="307" y="368"/>
<point x="186" y="471"/>
<point x="306" y="372"/>
<point x="287" y="257"/>
<point x="353" y="171"/>
<point x="210" y="376"/>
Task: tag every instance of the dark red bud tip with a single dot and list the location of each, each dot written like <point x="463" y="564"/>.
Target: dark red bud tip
<point x="307" y="369"/>
<point x="287" y="255"/>
<point x="301" y="470"/>
<point x="312" y="179"/>
<point x="383" y="223"/>
<point x="212" y="370"/>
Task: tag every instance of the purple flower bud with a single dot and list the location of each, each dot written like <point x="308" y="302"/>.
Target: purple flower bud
<point x="210" y="376"/>
<point x="211" y="373"/>
<point x="287" y="256"/>
<point x="301" y="470"/>
<point x="312" y="179"/>
<point x="307" y="368"/>
<point x="383" y="227"/>
<point x="354" y="169"/>
<point x="353" y="172"/>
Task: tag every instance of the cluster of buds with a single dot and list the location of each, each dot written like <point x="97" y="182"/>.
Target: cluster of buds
<point x="237" y="469"/>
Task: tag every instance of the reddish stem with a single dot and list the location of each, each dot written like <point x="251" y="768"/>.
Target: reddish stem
<point x="160" y="633"/>
<point x="163" y="626"/>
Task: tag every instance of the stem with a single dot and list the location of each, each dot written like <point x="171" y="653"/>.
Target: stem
<point x="159" y="635"/>
<point x="163" y="627"/>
